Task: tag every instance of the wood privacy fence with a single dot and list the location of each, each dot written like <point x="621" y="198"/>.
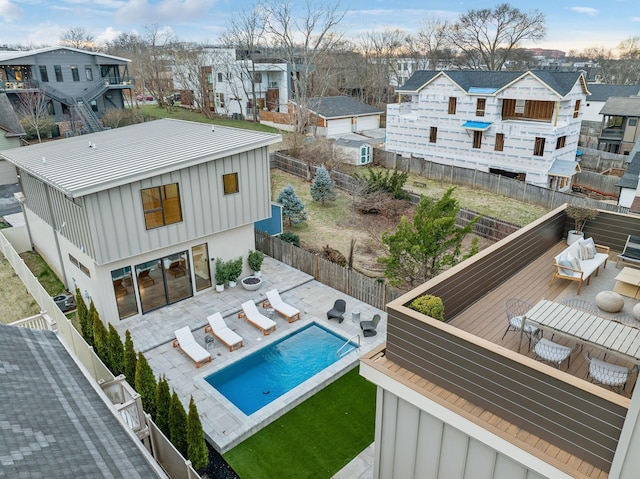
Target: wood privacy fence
<point x="372" y="291"/>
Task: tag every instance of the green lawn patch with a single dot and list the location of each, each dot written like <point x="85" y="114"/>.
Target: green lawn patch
<point x="317" y="438"/>
<point x="41" y="270"/>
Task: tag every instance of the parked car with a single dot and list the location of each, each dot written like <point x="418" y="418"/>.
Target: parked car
<point x="142" y="97"/>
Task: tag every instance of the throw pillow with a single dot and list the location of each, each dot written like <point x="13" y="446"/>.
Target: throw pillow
<point x="575" y="262"/>
<point x="587" y="252"/>
<point x="565" y="262"/>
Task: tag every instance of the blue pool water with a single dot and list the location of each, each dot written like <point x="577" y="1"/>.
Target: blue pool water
<point x="260" y="378"/>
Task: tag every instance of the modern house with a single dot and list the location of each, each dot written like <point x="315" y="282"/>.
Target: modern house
<point x="599" y="93"/>
<point x="337" y="115"/>
<point x="78" y="86"/>
<point x="620" y="128"/>
<point x="465" y="398"/>
<point x="629" y="195"/>
<point x="523" y="125"/>
<point x="11" y="132"/>
<point x="135" y="217"/>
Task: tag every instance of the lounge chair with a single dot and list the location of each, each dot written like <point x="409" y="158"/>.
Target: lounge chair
<point x="631" y="252"/>
<point x="255" y="317"/>
<point x="369" y="327"/>
<point x="188" y="345"/>
<point x="286" y="310"/>
<point x="144" y="279"/>
<point x="516" y="310"/>
<point x="337" y="312"/>
<point x="219" y="329"/>
<point x="176" y="269"/>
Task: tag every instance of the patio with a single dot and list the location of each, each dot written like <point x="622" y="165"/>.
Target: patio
<point x="224" y="424"/>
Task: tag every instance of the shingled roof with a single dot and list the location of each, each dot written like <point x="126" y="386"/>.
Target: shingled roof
<point x="53" y="423"/>
<point x="340" y="107"/>
<point x="631" y="174"/>
<point x="602" y="92"/>
<point x="619" y="106"/>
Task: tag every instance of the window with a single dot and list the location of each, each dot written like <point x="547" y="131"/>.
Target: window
<point x="477" y="139"/>
<point x="576" y="109"/>
<point x="538" y="148"/>
<point x="44" y="76"/>
<point x="519" y="107"/>
<point x="58" y="70"/>
<point x="230" y="182"/>
<point x="453" y="102"/>
<point x="480" y="104"/>
<point x="499" y="146"/>
<point x="632" y="122"/>
<point x="161" y="205"/>
<point x="536" y="110"/>
<point x="560" y="142"/>
<point x="433" y="134"/>
<point x="94" y="105"/>
<point x="88" y="72"/>
<point x="257" y="77"/>
<point x="80" y="266"/>
<point x="220" y="100"/>
<point x="74" y="73"/>
<point x="219" y="77"/>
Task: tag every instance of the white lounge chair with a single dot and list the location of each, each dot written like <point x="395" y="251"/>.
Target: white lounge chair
<point x="286" y="310"/>
<point x="220" y="330"/>
<point x="188" y="345"/>
<point x="255" y="317"/>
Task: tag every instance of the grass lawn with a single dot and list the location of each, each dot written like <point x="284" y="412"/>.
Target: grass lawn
<point x="317" y="438"/>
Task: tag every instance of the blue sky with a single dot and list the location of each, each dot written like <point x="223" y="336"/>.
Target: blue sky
<point x="570" y="24"/>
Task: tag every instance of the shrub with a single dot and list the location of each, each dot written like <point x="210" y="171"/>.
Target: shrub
<point x="323" y="187"/>
<point x="100" y="338"/>
<point x="163" y="406"/>
<point x="178" y="425"/>
<point x="429" y="305"/>
<point x="334" y="256"/>
<point x="222" y="272"/>
<point x="383" y="180"/>
<point x="82" y="312"/>
<point x="197" y="451"/>
<point x="255" y="259"/>
<point x="146" y="385"/>
<point x="129" y="359"/>
<point x="116" y="351"/>
<point x="290" y="237"/>
<point x="580" y="215"/>
<point x="234" y="269"/>
<point x="292" y="206"/>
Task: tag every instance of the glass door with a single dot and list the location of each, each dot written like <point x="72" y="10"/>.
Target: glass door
<point x="201" y="266"/>
<point x="124" y="292"/>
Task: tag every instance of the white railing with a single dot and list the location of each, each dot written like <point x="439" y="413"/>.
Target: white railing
<point x="39" y="321"/>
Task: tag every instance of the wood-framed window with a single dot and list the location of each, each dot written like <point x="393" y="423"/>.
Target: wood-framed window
<point x="499" y="146"/>
<point x="576" y="109"/>
<point x="536" y="110"/>
<point x="477" y="139"/>
<point x="538" y="147"/>
<point x="481" y="103"/>
<point x="433" y="134"/>
<point x="230" y="183"/>
<point x="561" y="142"/>
<point x="453" y="103"/>
<point x="161" y="205"/>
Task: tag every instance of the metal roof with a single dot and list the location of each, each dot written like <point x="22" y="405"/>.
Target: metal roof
<point x="476" y="125"/>
<point x="53" y="423"/>
<point x="620" y="106"/>
<point x="15" y="55"/>
<point x="340" y="106"/>
<point x="87" y="164"/>
<point x="565" y="168"/>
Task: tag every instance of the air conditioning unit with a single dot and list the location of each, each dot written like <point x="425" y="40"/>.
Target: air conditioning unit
<point x="273" y="84"/>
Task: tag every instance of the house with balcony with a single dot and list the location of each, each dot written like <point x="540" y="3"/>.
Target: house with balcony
<point x="467" y="398"/>
<point x="136" y="216"/>
<point x="620" y="128"/>
<point x="78" y="85"/>
<point x="523" y="125"/>
<point x="599" y="93"/>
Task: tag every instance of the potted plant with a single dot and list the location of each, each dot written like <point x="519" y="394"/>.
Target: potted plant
<point x="221" y="274"/>
<point x="580" y="215"/>
<point x="234" y="271"/>
<point x="255" y="260"/>
<point x="430" y="305"/>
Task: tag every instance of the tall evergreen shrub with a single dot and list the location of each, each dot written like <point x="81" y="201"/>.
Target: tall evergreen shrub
<point x="116" y="351"/>
<point x="197" y="451"/>
<point x="129" y="359"/>
<point x="163" y="406"/>
<point x="178" y="424"/>
<point x="146" y="385"/>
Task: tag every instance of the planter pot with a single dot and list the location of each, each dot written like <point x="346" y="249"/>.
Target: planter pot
<point x="219" y="288"/>
<point x="573" y="236"/>
<point x="232" y="284"/>
<point x="251" y="283"/>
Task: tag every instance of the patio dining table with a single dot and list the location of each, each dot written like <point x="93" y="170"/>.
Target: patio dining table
<point x="611" y="336"/>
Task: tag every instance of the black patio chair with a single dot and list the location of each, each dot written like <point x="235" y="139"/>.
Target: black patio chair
<point x="338" y="310"/>
<point x="369" y="327"/>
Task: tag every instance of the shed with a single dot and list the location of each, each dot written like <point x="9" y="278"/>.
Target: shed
<point x="352" y="151"/>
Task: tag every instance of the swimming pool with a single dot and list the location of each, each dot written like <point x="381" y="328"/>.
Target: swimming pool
<point x="262" y="377"/>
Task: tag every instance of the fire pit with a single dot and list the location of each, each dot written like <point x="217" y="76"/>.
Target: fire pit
<point x="251" y="283"/>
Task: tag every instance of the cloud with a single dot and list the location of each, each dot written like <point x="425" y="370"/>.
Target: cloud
<point x="107" y="35"/>
<point x="9" y="11"/>
<point x="592" y="12"/>
<point x="164" y="11"/>
<point x="635" y="19"/>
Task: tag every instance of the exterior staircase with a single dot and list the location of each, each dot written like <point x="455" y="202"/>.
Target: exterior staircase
<point x="79" y="106"/>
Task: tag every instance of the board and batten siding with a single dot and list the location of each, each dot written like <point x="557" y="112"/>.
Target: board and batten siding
<point x="117" y="218"/>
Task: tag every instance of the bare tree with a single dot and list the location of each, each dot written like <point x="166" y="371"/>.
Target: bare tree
<point x="486" y="38"/>
<point x="33" y="110"/>
<point x="623" y="69"/>
<point x="432" y="43"/>
<point x="156" y="63"/>
<point x="78" y="37"/>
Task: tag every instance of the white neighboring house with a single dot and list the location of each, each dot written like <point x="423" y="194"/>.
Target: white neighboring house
<point x="520" y="124"/>
<point x="600" y="93"/>
<point x="337" y="115"/>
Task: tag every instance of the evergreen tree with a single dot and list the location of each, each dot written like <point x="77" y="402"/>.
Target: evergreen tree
<point x="163" y="406"/>
<point x="91" y="313"/>
<point x="146" y="385"/>
<point x="292" y="207"/>
<point x="178" y="424"/>
<point x="129" y="359"/>
<point x="82" y="312"/>
<point x="116" y="351"/>
<point x="323" y="187"/>
<point x="100" y="338"/>
<point x="197" y="450"/>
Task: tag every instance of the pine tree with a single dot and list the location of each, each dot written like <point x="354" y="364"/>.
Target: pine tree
<point x="91" y="313"/>
<point x="178" y="425"/>
<point x="116" y="351"/>
<point x="292" y="207"/>
<point x="163" y="406"/>
<point x="197" y="450"/>
<point x="82" y="312"/>
<point x="323" y="187"/>
<point x="129" y="359"/>
<point x="146" y="385"/>
<point x="100" y="338"/>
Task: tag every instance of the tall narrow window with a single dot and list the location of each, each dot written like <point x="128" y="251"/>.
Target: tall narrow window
<point x="88" y="72"/>
<point x="74" y="73"/>
<point x="477" y="139"/>
<point x="499" y="142"/>
<point x="58" y="70"/>
<point x="538" y="148"/>
<point x="230" y="182"/>
<point x="453" y="102"/>
<point x="576" y="109"/>
<point x="44" y="76"/>
<point x="480" y="105"/>
<point x="560" y="142"/>
<point x="433" y="134"/>
<point x="161" y="205"/>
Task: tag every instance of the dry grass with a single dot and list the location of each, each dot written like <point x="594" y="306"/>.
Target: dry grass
<point x="17" y="303"/>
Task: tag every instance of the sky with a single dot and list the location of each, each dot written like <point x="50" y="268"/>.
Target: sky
<point x="570" y="24"/>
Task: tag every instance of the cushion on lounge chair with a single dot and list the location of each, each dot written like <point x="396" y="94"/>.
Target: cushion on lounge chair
<point x="286" y="310"/>
<point x="187" y="344"/>
<point x="256" y="318"/>
<point x="220" y="330"/>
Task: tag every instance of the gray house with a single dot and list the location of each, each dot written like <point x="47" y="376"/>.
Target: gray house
<point x="79" y="85"/>
<point x="134" y="216"/>
<point x="11" y="132"/>
<point x="620" y="127"/>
